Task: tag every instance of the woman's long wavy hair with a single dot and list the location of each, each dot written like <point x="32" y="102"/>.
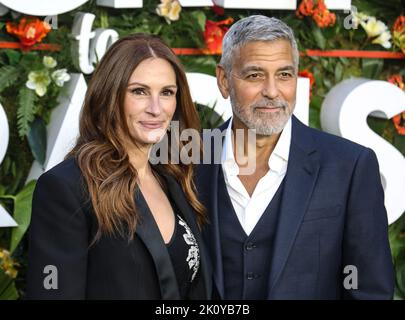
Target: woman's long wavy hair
<point x="100" y="153"/>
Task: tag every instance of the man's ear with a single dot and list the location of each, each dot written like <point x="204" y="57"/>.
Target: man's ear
<point x="222" y="81"/>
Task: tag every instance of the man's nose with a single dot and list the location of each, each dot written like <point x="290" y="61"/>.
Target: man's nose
<point x="270" y="89"/>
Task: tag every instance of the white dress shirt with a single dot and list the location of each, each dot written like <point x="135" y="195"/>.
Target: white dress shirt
<point x="250" y="209"/>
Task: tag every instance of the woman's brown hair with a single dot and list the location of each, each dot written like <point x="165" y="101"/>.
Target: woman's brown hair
<point x="104" y="162"/>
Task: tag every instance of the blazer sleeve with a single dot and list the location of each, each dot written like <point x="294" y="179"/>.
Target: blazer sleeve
<point x="365" y="242"/>
<point x="58" y="238"/>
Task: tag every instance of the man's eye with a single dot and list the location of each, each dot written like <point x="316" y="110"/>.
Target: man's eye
<point x="254" y="76"/>
<point x="138" y="91"/>
<point x="285" y="75"/>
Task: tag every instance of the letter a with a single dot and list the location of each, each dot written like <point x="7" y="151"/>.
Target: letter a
<point x="51" y="280"/>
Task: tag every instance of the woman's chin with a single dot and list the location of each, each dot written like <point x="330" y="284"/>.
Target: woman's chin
<point x="151" y="137"/>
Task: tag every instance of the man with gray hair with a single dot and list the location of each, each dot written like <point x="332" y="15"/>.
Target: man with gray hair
<point x="309" y="221"/>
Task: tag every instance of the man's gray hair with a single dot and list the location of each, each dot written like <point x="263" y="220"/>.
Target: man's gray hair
<point x="255" y="28"/>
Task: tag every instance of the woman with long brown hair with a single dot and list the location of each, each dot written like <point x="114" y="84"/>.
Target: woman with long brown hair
<point x="106" y="223"/>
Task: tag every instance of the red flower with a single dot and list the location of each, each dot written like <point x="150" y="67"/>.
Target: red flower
<point x="307" y="74"/>
<point x="398" y="31"/>
<point x="399" y="122"/>
<point x="396" y="79"/>
<point x="322" y="16"/>
<point x="219" y="11"/>
<point x="306" y="8"/>
<point x="399" y="24"/>
<point x="29" y="31"/>
<point x="214" y="33"/>
<point x="399" y="119"/>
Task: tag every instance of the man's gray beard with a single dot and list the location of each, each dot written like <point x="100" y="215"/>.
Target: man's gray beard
<point x="265" y="124"/>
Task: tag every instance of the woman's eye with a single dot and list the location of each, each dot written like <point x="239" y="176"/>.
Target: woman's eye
<point x="168" y="92"/>
<point x="138" y="91"/>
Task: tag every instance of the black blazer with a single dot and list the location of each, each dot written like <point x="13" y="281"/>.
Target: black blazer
<point x="332" y="215"/>
<point x="62" y="228"/>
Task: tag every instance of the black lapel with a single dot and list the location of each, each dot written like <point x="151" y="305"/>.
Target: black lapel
<point x="148" y="232"/>
<point x="300" y="179"/>
<point x="181" y="202"/>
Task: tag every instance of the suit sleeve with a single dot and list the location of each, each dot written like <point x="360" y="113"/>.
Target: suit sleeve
<point x="365" y="243"/>
<point x="58" y="242"/>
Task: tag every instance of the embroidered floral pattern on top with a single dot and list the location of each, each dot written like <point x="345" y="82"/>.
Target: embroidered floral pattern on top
<point x="193" y="257"/>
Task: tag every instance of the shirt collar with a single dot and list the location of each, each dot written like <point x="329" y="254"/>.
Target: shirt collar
<point x="277" y="160"/>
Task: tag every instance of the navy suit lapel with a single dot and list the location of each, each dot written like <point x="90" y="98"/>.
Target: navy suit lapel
<point x="211" y="232"/>
<point x="207" y="178"/>
<point x="300" y="179"/>
<point x="148" y="231"/>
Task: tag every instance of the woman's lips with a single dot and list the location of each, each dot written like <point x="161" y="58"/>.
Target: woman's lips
<point x="151" y="124"/>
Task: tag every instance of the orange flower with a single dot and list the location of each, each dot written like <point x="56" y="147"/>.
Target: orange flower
<point x="214" y="33"/>
<point x="399" y="119"/>
<point x="399" y="24"/>
<point x="322" y="16"/>
<point x="396" y="79"/>
<point x="398" y="31"/>
<point x="399" y="122"/>
<point x="307" y="74"/>
<point x="306" y="8"/>
<point x="29" y="31"/>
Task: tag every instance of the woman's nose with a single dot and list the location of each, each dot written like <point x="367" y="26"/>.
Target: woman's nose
<point x="154" y="106"/>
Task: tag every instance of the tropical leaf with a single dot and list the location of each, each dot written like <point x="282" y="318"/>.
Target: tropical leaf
<point x="338" y="72"/>
<point x="319" y="38"/>
<point x="37" y="140"/>
<point x="22" y="214"/>
<point x="372" y="68"/>
<point x="209" y="118"/>
<point x="8" y="290"/>
<point x="381" y="9"/>
<point x="8" y="75"/>
<point x="26" y="110"/>
<point x="200" y="17"/>
<point x="199" y="64"/>
<point x="13" y="56"/>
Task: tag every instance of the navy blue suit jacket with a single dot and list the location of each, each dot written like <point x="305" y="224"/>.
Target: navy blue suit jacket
<point x="332" y="215"/>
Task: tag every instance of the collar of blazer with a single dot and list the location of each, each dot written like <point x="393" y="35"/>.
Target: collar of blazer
<point x="148" y="232"/>
<point x="302" y="172"/>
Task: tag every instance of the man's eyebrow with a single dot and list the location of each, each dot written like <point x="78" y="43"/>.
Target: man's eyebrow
<point x="286" y="68"/>
<point x="251" y="68"/>
<point x="260" y="69"/>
